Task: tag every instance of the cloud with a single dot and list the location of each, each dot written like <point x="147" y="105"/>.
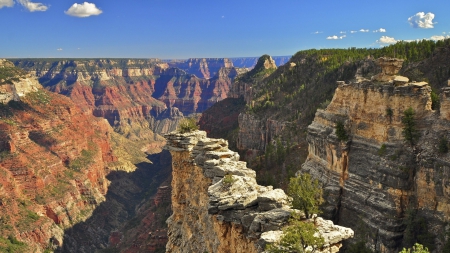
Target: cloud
<point x="381" y="30"/>
<point x="335" y="37"/>
<point x="422" y="20"/>
<point x="31" y="6"/>
<point x="317" y="32"/>
<point x="364" y="31"/>
<point x="439" y="37"/>
<point x="342" y="32"/>
<point x="83" y="10"/>
<point x="6" y="3"/>
<point x="386" y="40"/>
<point x="59" y="49"/>
<point x="353" y="31"/>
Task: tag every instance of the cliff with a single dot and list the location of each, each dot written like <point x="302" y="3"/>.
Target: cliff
<point x="141" y="99"/>
<point x="391" y="191"/>
<point x="213" y="215"/>
<point x="53" y="160"/>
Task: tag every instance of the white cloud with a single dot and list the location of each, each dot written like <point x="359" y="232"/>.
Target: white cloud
<point x="6" y="3"/>
<point x="335" y="37"/>
<point x="353" y="31"/>
<point x="439" y="37"/>
<point x="83" y="10"/>
<point x="386" y="40"/>
<point x="381" y="30"/>
<point x="59" y="49"/>
<point x="342" y="32"/>
<point x="364" y="31"/>
<point x="317" y="32"/>
<point x="422" y="20"/>
<point x="32" y="7"/>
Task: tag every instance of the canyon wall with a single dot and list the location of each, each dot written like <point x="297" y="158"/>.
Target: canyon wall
<point x="141" y="99"/>
<point x="375" y="179"/>
<point x="54" y="159"/>
<point x="213" y="215"/>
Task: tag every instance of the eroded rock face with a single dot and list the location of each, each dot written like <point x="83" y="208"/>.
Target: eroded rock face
<point x="54" y="161"/>
<point x="217" y="204"/>
<point x="374" y="177"/>
<point x="389" y="69"/>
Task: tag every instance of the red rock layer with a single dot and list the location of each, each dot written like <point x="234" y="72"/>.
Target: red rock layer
<point x="53" y="164"/>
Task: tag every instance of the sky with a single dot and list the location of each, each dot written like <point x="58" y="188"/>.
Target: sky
<point x="181" y="29"/>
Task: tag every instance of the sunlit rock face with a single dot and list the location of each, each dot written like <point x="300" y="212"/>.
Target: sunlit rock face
<point x="374" y="177"/>
<point x="211" y="214"/>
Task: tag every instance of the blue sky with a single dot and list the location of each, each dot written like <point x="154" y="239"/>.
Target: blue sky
<point x="210" y="28"/>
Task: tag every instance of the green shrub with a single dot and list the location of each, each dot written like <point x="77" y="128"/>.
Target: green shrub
<point x="382" y="150"/>
<point x="296" y="237"/>
<point x="306" y="194"/>
<point x="389" y="113"/>
<point x="409" y="132"/>
<point x="435" y="101"/>
<point x="340" y="131"/>
<point x="228" y="180"/>
<point x="187" y="125"/>
<point x="417" y="248"/>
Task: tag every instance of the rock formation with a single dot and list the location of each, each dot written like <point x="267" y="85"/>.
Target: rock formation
<point x="374" y="177"/>
<point x="14" y="83"/>
<point x="53" y="160"/>
<point x="141" y="99"/>
<point x="218" y="206"/>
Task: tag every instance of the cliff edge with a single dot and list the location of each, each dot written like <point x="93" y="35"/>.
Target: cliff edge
<point x="392" y="191"/>
<point x="218" y="206"/>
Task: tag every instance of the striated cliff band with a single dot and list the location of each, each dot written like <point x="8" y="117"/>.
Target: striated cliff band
<point x="141" y="99"/>
<point x="381" y="153"/>
<point x="54" y="159"/>
<point x="213" y="215"/>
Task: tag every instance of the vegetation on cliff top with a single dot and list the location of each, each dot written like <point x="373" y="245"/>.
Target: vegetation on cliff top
<point x="187" y="125"/>
<point x="300" y="234"/>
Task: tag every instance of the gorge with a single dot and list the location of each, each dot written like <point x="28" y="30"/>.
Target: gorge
<point x="392" y="192"/>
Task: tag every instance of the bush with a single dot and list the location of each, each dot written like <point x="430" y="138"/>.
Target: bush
<point x="297" y="237"/>
<point x="382" y="150"/>
<point x="340" y="131"/>
<point x="410" y="132"/>
<point x="306" y="194"/>
<point x="417" y="248"/>
<point x="389" y="113"/>
<point x="228" y="180"/>
<point x="435" y="101"/>
<point x="187" y="125"/>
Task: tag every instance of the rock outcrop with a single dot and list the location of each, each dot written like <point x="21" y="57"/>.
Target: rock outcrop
<point x="14" y="83"/>
<point x="218" y="206"/>
<point x="374" y="177"/>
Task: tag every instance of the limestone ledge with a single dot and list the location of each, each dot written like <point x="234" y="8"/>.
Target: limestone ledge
<point x="261" y="211"/>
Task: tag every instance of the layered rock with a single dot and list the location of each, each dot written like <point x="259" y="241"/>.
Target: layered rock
<point x="14" y="83"/>
<point x="374" y="177"/>
<point x="54" y="161"/>
<point x="141" y="99"/>
<point x="217" y="204"/>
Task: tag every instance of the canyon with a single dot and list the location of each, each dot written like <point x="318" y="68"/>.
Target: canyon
<point x="390" y="191"/>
